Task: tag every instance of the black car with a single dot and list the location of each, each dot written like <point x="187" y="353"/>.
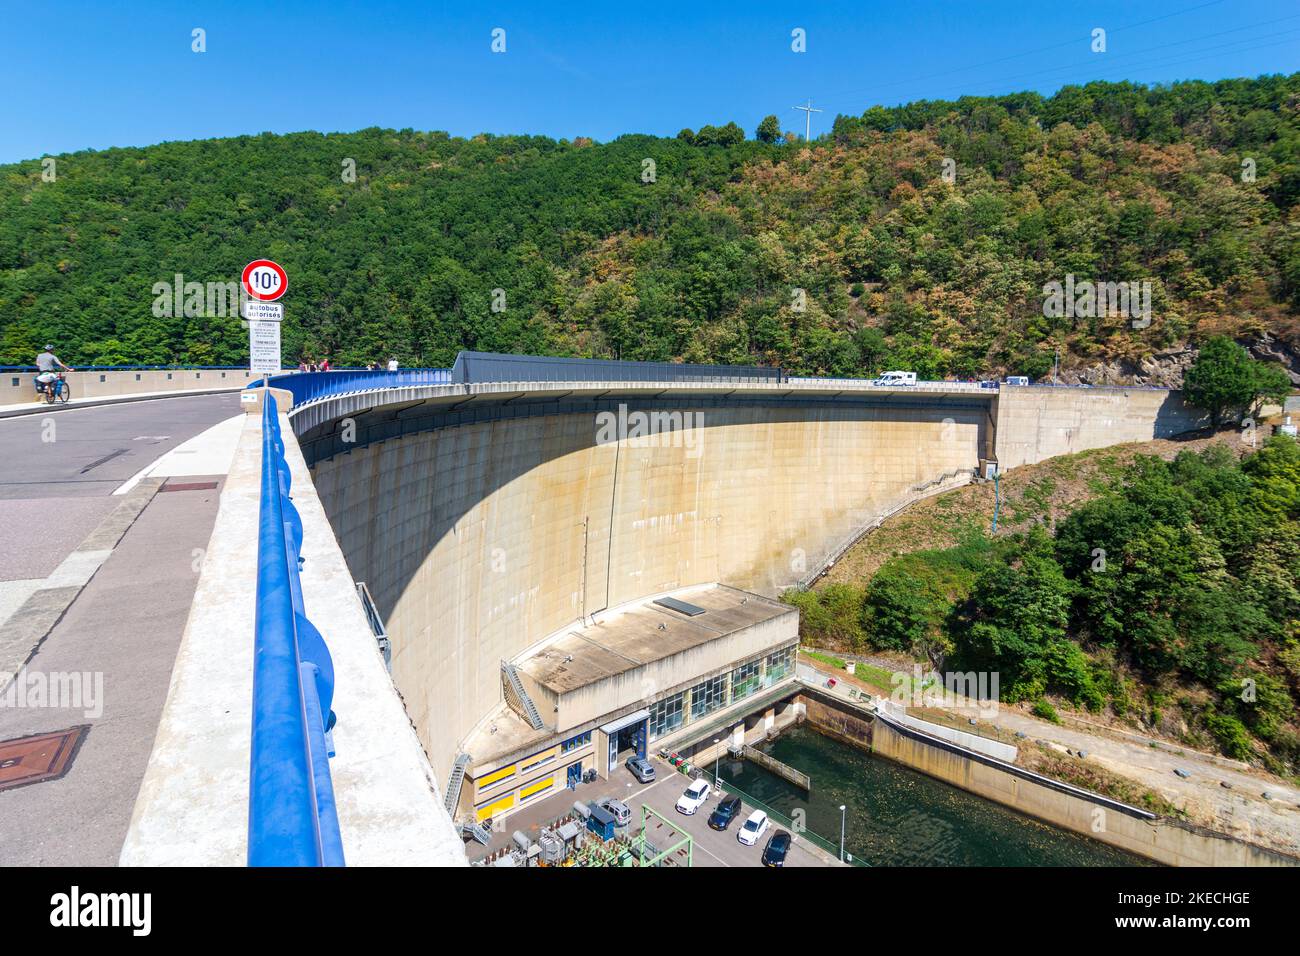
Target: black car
<point x="778" y="845"/>
<point x="726" y="811"/>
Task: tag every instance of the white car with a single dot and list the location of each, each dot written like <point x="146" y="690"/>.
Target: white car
<point x="693" y="798"/>
<point x="755" y="826"/>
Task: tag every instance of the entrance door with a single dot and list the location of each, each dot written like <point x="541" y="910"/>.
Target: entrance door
<point x="574" y="776"/>
<point x="613" y="751"/>
<point x="639" y="741"/>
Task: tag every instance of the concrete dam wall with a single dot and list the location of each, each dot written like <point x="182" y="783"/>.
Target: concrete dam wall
<point x="1039" y="422"/>
<point x="486" y="518"/>
<point x="481" y="540"/>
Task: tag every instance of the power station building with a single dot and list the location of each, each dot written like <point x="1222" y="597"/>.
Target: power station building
<point x="662" y="671"/>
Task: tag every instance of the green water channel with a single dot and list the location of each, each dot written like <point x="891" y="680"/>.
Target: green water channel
<point x="899" y="817"/>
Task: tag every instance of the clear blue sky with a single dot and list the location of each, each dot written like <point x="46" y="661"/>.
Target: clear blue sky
<point x="76" y="75"/>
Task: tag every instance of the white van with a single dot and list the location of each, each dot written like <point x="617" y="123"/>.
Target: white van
<point x="1017" y="380"/>
<point x="896" y="378"/>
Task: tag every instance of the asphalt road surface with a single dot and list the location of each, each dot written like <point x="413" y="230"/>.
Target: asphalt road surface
<point x="82" y="452"/>
<point x="58" y="471"/>
<point x="117" y="640"/>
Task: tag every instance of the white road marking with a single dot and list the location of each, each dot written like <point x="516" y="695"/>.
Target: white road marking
<point x="76" y="569"/>
<point x="210" y="452"/>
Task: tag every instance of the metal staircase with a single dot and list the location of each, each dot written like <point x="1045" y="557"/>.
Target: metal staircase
<point x="476" y="830"/>
<point x="452" y="798"/>
<point x="518" y="698"/>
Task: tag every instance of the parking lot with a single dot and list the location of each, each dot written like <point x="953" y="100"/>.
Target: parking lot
<point x="712" y="848"/>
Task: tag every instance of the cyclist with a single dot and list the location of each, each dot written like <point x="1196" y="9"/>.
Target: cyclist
<point x="46" y="375"/>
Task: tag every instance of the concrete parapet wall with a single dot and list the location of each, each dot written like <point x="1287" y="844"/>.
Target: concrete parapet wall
<point x="192" y="809"/>
<point x="480" y="540"/>
<point x="1162" y="840"/>
<point x="16" y="387"/>
<point x="1036" y="423"/>
<point x="990" y="748"/>
<point x="772" y="765"/>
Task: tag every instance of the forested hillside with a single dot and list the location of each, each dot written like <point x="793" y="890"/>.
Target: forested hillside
<point x="596" y="252"/>
<point x="1165" y="597"/>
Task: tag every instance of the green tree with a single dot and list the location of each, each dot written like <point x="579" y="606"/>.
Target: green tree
<point x="1015" y="623"/>
<point x="769" y="130"/>
<point x="1225" y="379"/>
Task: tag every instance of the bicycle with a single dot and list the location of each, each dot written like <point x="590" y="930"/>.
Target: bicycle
<point x="56" y="390"/>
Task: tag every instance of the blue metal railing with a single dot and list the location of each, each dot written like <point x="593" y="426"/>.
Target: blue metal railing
<point x="479" y="367"/>
<point x="292" y="819"/>
<point x="308" y="386"/>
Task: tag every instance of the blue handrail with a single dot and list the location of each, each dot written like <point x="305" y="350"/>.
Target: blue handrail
<point x="291" y="813"/>
<point x="308" y="386"/>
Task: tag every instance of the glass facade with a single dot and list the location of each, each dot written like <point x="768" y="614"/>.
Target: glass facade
<point x="707" y="696"/>
<point x="716" y="693"/>
<point x="746" y="679"/>
<point x="666" y="715"/>
<point x="573" y="743"/>
<point x="779" y="666"/>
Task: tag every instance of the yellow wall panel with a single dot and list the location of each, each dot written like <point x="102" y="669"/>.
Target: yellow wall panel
<point x="538" y="787"/>
<point x="528" y="763"/>
<point x="494" y="776"/>
<point x="492" y="809"/>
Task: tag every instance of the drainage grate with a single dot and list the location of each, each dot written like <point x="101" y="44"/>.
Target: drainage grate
<point x="40" y="758"/>
<point x="188" y="486"/>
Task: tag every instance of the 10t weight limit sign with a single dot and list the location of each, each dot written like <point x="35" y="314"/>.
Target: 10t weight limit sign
<point x="264" y="280"/>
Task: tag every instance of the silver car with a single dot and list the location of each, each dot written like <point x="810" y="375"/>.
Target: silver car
<point x="641" y="768"/>
<point x="618" y="810"/>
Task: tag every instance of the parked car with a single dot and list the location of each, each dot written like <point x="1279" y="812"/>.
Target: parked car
<point x="755" y="826"/>
<point x="1017" y="380"/>
<point x="724" y="813"/>
<point x="778" y="845"/>
<point x="641" y="768"/>
<point x="618" y="810"/>
<point x="694" y="797"/>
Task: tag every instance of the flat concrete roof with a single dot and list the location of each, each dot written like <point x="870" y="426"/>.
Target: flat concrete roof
<point x="631" y="636"/>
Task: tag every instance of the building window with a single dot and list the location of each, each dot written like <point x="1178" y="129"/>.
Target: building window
<point x="540" y="761"/>
<point x="779" y="665"/>
<point x="746" y="679"/>
<point x="573" y="743"/>
<point x="707" y="696"/>
<point x="666" y="715"/>
<point x="496" y="778"/>
<point x="536" y="789"/>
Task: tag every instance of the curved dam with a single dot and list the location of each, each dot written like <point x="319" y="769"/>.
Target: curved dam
<point x="490" y="519"/>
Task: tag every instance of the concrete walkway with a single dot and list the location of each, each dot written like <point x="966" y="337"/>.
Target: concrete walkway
<point x="107" y="597"/>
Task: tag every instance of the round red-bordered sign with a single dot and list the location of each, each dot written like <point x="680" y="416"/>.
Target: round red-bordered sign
<point x="264" y="280"/>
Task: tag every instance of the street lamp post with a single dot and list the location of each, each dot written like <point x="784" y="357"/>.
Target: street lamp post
<point x="842" y="809"/>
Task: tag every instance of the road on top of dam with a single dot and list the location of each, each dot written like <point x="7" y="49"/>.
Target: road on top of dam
<point x="95" y="590"/>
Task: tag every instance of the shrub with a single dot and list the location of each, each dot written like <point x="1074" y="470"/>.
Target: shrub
<point x="1043" y="708"/>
